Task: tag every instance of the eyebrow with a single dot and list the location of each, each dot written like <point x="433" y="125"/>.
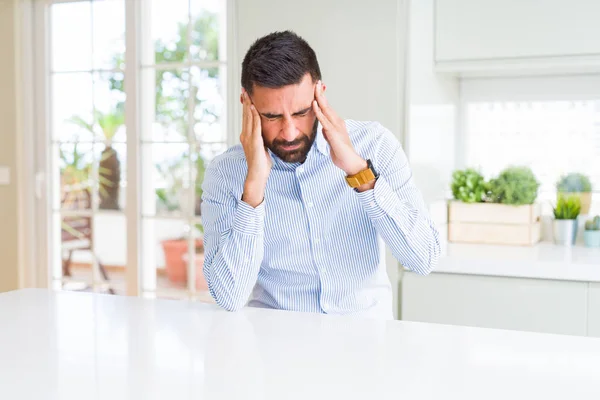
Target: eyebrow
<point x="270" y="115"/>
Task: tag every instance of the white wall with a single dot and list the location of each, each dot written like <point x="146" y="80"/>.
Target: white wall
<point x="360" y="47"/>
<point x="431" y="118"/>
<point x="10" y="273"/>
<point x="432" y="108"/>
<point x="361" y="50"/>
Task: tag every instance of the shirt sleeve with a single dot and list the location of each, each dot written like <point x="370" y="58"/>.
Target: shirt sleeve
<point x="233" y="242"/>
<point x="397" y="209"/>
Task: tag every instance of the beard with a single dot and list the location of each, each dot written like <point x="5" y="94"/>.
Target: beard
<point x="305" y="142"/>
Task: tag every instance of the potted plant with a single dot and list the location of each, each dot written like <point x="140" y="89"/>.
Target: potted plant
<point x="501" y="211"/>
<point x="566" y="212"/>
<point x="515" y="186"/>
<point x="469" y="186"/>
<point x="579" y="185"/>
<point x="106" y="125"/>
<point x="591" y="235"/>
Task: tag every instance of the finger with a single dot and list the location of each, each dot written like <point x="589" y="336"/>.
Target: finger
<point x="255" y="122"/>
<point x="327" y="125"/>
<point x="323" y="103"/>
<point x="249" y="120"/>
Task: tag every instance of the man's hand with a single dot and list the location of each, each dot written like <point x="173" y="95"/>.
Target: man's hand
<point x="257" y="157"/>
<point x="343" y="154"/>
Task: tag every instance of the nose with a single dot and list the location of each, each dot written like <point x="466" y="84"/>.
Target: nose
<point x="289" y="131"/>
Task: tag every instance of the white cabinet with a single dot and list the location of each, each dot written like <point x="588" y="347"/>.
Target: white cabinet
<point x="513" y="31"/>
<point x="594" y="310"/>
<point x="497" y="302"/>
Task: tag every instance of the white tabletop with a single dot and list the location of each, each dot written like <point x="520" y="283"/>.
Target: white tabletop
<point x="84" y="346"/>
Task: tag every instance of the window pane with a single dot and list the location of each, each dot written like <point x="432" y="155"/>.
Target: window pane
<point x="75" y="165"/>
<point x="71" y="36"/>
<point x="209" y="108"/>
<point x="109" y="104"/>
<point x="208" y="30"/>
<point x="72" y="107"/>
<point x="170" y="111"/>
<point x="169" y="166"/>
<point x="552" y="137"/>
<point x="167" y="258"/>
<point x="109" y="34"/>
<point x="94" y="242"/>
<point x="169" y="27"/>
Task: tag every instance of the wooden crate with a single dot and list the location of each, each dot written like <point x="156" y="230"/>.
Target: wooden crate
<point x="489" y="223"/>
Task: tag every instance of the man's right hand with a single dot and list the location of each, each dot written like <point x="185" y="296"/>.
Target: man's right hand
<point x="257" y="157"/>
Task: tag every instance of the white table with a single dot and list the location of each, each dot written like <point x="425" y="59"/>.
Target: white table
<point x="84" y="346"/>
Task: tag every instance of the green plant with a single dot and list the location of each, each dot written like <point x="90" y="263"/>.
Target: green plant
<point x="574" y="183"/>
<point x="515" y="185"/>
<point x="567" y="207"/>
<point x="469" y="186"/>
<point x="593" y="224"/>
<point x="106" y="125"/>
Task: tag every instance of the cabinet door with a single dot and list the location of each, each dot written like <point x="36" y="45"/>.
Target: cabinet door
<point x="512" y="29"/>
<point x="594" y="310"/>
<point x="495" y="302"/>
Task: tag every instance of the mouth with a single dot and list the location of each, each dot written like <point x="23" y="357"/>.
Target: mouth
<point x="290" y="147"/>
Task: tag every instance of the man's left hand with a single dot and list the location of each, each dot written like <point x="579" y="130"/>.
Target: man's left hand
<point x="334" y="129"/>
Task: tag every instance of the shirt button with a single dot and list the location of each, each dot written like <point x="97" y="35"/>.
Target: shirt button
<point x="381" y="198"/>
<point x="300" y="169"/>
<point x="310" y="204"/>
<point x="372" y="204"/>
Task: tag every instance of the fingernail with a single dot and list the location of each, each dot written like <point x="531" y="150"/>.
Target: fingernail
<point x="252" y="106"/>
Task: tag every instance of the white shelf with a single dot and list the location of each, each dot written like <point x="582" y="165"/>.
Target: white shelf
<point x="543" y="261"/>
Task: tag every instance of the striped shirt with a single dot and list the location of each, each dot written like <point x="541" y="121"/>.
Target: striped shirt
<point x="314" y="244"/>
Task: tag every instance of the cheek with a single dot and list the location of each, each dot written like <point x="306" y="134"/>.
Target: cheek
<point x="305" y="125"/>
<point x="270" y="130"/>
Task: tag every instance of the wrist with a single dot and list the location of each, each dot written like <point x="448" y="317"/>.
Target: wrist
<point x="254" y="192"/>
<point x="356" y="166"/>
<point x="366" y="186"/>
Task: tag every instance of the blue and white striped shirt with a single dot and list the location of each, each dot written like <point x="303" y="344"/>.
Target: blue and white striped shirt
<point x="314" y="244"/>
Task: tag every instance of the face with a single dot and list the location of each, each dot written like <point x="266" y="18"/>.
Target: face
<point x="289" y="123"/>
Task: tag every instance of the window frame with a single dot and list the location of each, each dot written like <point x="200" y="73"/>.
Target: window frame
<point x="36" y="61"/>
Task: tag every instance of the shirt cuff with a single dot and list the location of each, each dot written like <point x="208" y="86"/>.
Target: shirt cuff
<point x="381" y="200"/>
<point x="249" y="220"/>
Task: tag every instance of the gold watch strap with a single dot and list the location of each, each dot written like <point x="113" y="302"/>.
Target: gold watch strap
<point x="359" y="179"/>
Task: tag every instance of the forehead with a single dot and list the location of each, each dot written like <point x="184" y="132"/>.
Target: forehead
<point x="289" y="98"/>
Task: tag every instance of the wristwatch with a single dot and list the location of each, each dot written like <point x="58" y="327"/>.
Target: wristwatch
<point x="365" y="176"/>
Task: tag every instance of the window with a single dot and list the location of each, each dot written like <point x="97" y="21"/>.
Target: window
<point x="550" y="125"/>
<point x="137" y="108"/>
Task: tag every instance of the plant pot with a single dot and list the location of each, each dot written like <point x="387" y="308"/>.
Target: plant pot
<point x="591" y="238"/>
<point x="201" y="283"/>
<point x="175" y="264"/>
<point x="586" y="201"/>
<point x="565" y="231"/>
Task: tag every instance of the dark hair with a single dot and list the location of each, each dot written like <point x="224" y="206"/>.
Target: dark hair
<point x="279" y="59"/>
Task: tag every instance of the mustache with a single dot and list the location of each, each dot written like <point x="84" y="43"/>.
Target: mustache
<point x="300" y="140"/>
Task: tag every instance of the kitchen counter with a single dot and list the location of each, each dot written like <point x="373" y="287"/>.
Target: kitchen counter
<point x="542" y="261"/>
<point x="59" y="345"/>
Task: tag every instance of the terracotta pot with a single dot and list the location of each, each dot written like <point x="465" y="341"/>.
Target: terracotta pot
<point x="175" y="264"/>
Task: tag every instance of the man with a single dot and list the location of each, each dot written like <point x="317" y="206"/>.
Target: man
<point x="298" y="215"/>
